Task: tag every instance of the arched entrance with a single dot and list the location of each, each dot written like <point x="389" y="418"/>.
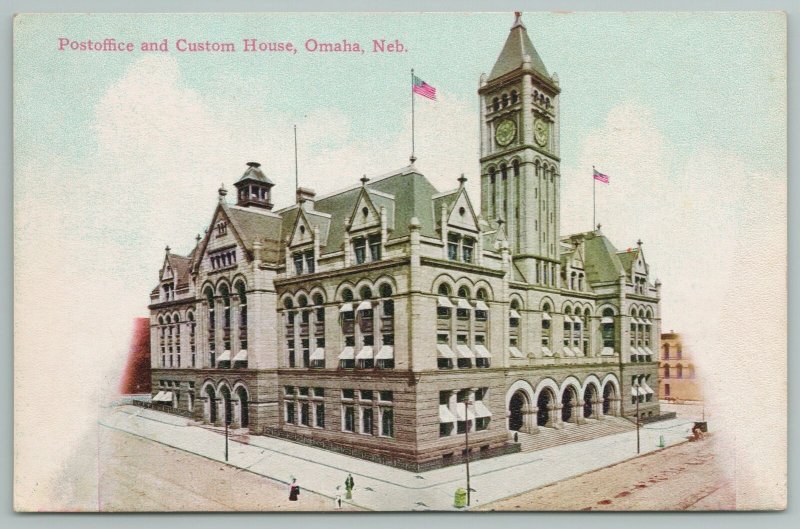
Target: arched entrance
<point x="244" y="415"/>
<point x="212" y="404"/>
<point x="227" y="406"/>
<point x="517" y="408"/>
<point x="544" y="402"/>
<point x="609" y="394"/>
<point x="589" y="400"/>
<point x="567" y="402"/>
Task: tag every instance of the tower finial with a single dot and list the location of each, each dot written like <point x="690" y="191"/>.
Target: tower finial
<point x="167" y="248"/>
<point x="639" y="243"/>
<point x="517" y="19"/>
<point x="462" y="180"/>
<point x="364" y="180"/>
<point x="222" y="192"/>
<point x="198" y="238"/>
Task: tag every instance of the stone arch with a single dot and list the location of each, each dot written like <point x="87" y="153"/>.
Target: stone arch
<point x="607" y="306"/>
<point x="546" y="403"/>
<point x="446" y="279"/>
<point x="225" y="396"/>
<point x="208" y="393"/>
<point x="239" y="278"/>
<point x="315" y="291"/>
<point x="383" y="280"/>
<point x="592" y="402"/>
<point x="570" y="381"/>
<point x="341" y="288"/>
<point x="464" y="282"/>
<point x="223" y="282"/>
<point x="519" y="405"/>
<point x="610" y="395"/>
<point x="241" y="397"/>
<point x="546" y="301"/>
<point x="481" y="284"/>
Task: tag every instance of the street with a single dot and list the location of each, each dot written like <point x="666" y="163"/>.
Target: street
<point x="141" y="475"/>
<point x="688" y="476"/>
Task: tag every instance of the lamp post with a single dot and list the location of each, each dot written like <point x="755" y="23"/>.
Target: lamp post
<point x="638" y="389"/>
<point x="466" y="442"/>
<point x="226" y="434"/>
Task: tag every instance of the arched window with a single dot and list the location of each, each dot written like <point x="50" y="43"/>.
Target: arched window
<point x="608" y="331"/>
<point x="572" y="279"/>
<point x="387" y="303"/>
<point x="347" y="295"/>
<point x="176" y="320"/>
<point x="585" y="332"/>
<point x="679" y="371"/>
<point x="240" y="292"/>
<point x="515" y="167"/>
<point x="463" y="307"/>
<point x="192" y="338"/>
<point x="666" y="370"/>
<point x="226" y="317"/>
<point x="319" y="318"/>
<point x="496" y="104"/>
<point x="443" y="305"/>
<point x="580" y="281"/>
<point x="481" y="308"/>
<point x="567" y="338"/>
<point x="211" y="327"/>
<point x="514" y="96"/>
<point x="505" y="100"/>
<point x="546" y="330"/>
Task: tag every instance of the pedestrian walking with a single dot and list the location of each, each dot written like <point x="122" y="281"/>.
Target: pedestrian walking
<point x="348" y="485"/>
<point x="294" y="490"/>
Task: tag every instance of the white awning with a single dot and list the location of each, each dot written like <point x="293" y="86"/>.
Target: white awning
<point x="464" y="304"/>
<point x="165" y="396"/>
<point x="460" y="412"/>
<point x="482" y="352"/>
<point x="546" y="351"/>
<point x="158" y="397"/>
<point x="607" y="319"/>
<point x="607" y="351"/>
<point x="364" y="305"/>
<point x="567" y="318"/>
<point x="365" y="353"/>
<point x="445" y="415"/>
<point x="241" y="356"/>
<point x="577" y="351"/>
<point x="464" y="351"/>
<point x="318" y="354"/>
<point x="444" y="302"/>
<point x="568" y="351"/>
<point x="445" y="351"/>
<point x="640" y="351"/>
<point x="348" y="353"/>
<point x="637" y="321"/>
<point x="347" y="307"/>
<point x="546" y="316"/>
<point x="637" y="391"/>
<point x="516" y="353"/>
<point x="514" y="314"/>
<point x="648" y="351"/>
<point x="480" y="305"/>
<point x="386" y="353"/>
<point x="647" y="322"/>
<point x="481" y="410"/>
<point x="647" y="389"/>
<point x="225" y="356"/>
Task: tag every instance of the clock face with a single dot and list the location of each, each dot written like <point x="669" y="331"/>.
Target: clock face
<point x="540" y="132"/>
<point x="505" y="132"/>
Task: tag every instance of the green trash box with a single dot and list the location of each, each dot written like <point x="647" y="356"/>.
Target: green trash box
<point x="460" y="500"/>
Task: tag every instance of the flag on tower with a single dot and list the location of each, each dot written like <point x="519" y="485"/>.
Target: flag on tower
<point x="422" y="88"/>
<point x="600" y="176"/>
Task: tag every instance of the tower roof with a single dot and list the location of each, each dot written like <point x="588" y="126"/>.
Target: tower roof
<point x="517" y="46"/>
<point x="254" y="172"/>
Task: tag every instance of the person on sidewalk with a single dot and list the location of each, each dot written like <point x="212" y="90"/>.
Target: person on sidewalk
<point x="294" y="490"/>
<point x="348" y="485"/>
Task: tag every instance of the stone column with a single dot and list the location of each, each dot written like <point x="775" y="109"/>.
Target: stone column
<point x="529" y="420"/>
<point x="577" y="412"/>
<point x="554" y="416"/>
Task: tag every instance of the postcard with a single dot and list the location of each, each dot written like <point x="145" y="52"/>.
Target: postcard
<point x="400" y="262"/>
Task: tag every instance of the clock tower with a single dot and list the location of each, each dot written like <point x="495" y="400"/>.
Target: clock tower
<point x="520" y="176"/>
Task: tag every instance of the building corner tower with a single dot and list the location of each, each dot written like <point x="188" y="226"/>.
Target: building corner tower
<point x="520" y="175"/>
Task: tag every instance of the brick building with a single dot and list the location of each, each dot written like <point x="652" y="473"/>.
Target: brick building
<point x="677" y="380"/>
<point x="388" y="317"/>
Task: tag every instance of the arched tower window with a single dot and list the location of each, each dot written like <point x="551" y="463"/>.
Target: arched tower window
<point x="546" y="330"/>
<point x="240" y="291"/>
<point x="608" y="331"/>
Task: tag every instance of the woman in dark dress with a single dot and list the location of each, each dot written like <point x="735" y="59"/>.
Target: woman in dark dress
<point x="294" y="490"/>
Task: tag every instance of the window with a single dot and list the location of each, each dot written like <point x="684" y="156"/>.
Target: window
<point x="546" y="327"/>
<point x="360" y="250"/>
<point x="298" y="263"/>
<point x="304" y="414"/>
<point x="224" y="258"/>
<point x="495" y="104"/>
<point x="445" y="429"/>
<point x="607" y="329"/>
<point x="305" y="343"/>
<point x="666" y="390"/>
<point x="290" y="350"/>
<point x="192" y="337"/>
<point x="290" y="415"/>
<point x="387" y="422"/>
<point x="240" y="290"/>
<point x="461" y="312"/>
<point x="513" y="318"/>
<point x="375" y="247"/>
<point x="463" y="363"/>
<point x="443" y="312"/>
<point x="319" y="414"/>
<point x="467" y="249"/>
<point x="348" y="418"/>
<point x="452" y="246"/>
<point x="288" y="390"/>
<point x="514" y="96"/>
<point x="365" y="394"/>
<point x="366" y="421"/>
<point x="666" y="370"/>
<point x="222" y="228"/>
<point x="348" y="393"/>
<point x="309" y="256"/>
<point x="386" y="395"/>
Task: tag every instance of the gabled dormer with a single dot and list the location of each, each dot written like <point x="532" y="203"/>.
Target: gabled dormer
<point x="460" y="228"/>
<point x="222" y="248"/>
<point x="636" y="268"/>
<point x="365" y="215"/>
<point x="366" y="228"/>
<point x="303" y="246"/>
<point x="167" y="279"/>
<point x="254" y="188"/>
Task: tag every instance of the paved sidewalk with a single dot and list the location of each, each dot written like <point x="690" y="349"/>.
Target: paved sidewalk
<point x="379" y="487"/>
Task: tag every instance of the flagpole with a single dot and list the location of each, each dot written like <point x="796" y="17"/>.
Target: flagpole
<point x="594" y="203"/>
<point x="296" y="178"/>
<point x="413" y="158"/>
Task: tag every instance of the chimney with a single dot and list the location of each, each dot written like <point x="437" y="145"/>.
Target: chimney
<point x="305" y="198"/>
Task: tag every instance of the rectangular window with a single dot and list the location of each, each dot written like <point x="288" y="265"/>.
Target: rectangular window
<point x="443" y="338"/>
<point x="443" y="313"/>
<point x="310" y="261"/>
<point x="366" y="394"/>
<point x="444" y="363"/>
<point x="481" y="315"/>
<point x="467" y="249"/>
<point x="304" y="415"/>
<point x="303" y="391"/>
<point x="349" y="418"/>
<point x="350" y="341"/>
<point x="360" y="250"/>
<point x="375" y="247"/>
<point x="290" y="349"/>
<point x="288" y="390"/>
<point x="388" y="308"/>
<point x="388" y="339"/>
<point x="482" y="423"/>
<point x="452" y="247"/>
<point x="386" y="396"/>
<point x="298" y="263"/>
<point x="306" y="352"/>
<point x="387" y="422"/>
<point x="348" y="394"/>
<point x="320" y="318"/>
<point x="366" y="421"/>
<point x="290" y="418"/>
<point x="319" y="415"/>
<point x="445" y="429"/>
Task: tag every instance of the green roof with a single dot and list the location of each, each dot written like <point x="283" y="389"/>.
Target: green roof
<point x="600" y="260"/>
<point x="517" y="45"/>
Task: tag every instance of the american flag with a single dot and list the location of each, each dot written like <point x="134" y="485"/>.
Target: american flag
<point x="422" y="88"/>
<point x="600" y="176"/>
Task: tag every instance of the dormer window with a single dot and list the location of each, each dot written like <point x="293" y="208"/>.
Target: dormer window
<point x="460" y="248"/>
<point x="467" y="249"/>
<point x="360" y="245"/>
<point x="303" y="262"/>
<point x="360" y="249"/>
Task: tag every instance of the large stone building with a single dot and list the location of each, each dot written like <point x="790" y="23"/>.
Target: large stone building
<point x="677" y="380"/>
<point x="387" y="318"/>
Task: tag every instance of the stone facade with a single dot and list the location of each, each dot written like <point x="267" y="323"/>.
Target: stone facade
<point x="389" y="317"/>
